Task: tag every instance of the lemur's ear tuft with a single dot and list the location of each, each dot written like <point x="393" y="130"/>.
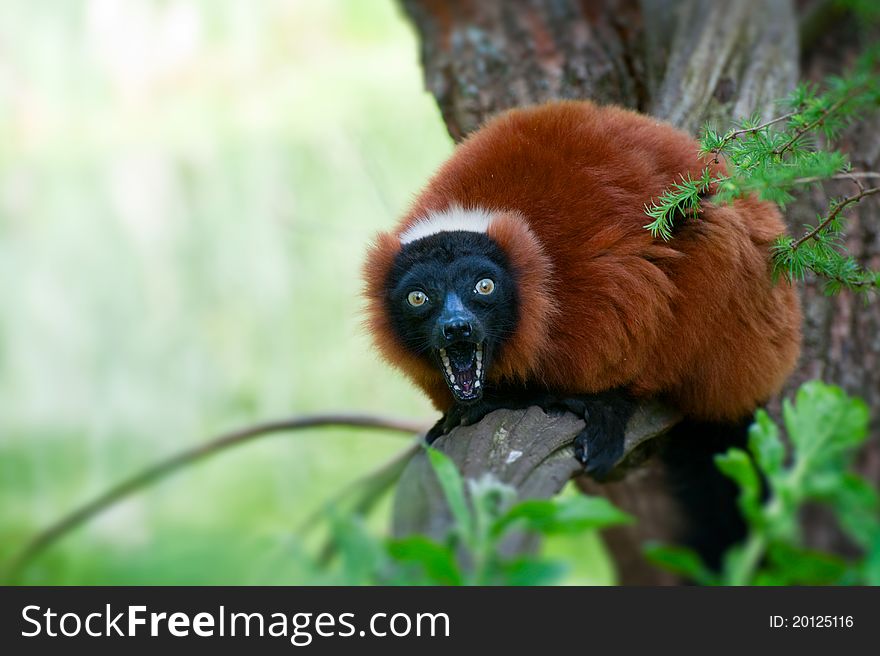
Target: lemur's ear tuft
<point x="377" y="266"/>
<point x="376" y="271"/>
<point x="532" y="270"/>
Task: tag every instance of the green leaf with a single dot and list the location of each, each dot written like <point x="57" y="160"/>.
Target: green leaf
<point x="360" y="553"/>
<point x="453" y="489"/>
<point x="871" y="567"/>
<point x="766" y="445"/>
<point x="824" y="420"/>
<point x="682" y="561"/>
<point x="769" y="578"/>
<point x="736" y="465"/>
<point x="531" y="571"/>
<point x="437" y="561"/>
<point x="562" y="515"/>
<point x="857" y="506"/>
<point x="796" y="566"/>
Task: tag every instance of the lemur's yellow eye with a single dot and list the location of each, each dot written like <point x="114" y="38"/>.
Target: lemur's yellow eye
<point x="485" y="287"/>
<point x="416" y="298"/>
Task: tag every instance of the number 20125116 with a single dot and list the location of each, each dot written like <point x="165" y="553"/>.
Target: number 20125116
<point x="812" y="622"/>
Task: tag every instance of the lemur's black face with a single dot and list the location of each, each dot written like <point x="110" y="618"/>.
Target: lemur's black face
<point x="452" y="299"/>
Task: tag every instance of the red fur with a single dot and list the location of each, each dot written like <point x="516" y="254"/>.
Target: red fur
<point x="696" y="320"/>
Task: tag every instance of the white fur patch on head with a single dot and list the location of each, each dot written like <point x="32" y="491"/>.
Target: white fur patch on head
<point x="455" y="217"/>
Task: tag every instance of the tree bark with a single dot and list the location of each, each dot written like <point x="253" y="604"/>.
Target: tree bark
<point x="686" y="62"/>
<point x="841" y="333"/>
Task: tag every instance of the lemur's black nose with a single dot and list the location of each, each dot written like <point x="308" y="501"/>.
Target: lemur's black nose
<point x="456" y="321"/>
<point x="456" y="329"/>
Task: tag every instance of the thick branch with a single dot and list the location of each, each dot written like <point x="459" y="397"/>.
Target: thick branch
<point x="527" y="449"/>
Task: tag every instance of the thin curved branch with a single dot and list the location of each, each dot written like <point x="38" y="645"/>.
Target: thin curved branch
<point x="801" y="131"/>
<point x="852" y="176"/>
<point x="163" y="468"/>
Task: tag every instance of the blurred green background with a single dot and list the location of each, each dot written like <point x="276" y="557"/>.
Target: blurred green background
<point x="186" y="191"/>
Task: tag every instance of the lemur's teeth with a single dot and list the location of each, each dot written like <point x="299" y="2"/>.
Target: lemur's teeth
<point x="456" y="388"/>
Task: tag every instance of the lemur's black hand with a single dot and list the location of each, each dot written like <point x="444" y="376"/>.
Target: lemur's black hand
<point x="452" y="419"/>
<point x="599" y="445"/>
<point x="435" y="432"/>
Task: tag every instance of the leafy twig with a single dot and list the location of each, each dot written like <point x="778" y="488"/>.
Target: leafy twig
<point x="769" y="164"/>
<point x="832" y="215"/>
<point x="801" y="131"/>
<point x="819" y="250"/>
<point x="736" y="134"/>
<point x="776" y="478"/>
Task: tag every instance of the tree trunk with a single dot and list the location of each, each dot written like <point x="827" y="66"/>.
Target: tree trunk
<point x="686" y="62"/>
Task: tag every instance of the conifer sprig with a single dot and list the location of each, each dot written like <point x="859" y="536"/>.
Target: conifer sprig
<point x="680" y="199"/>
<point x="772" y="159"/>
<point x="837" y="206"/>
<point x="719" y="143"/>
<point x="820" y="249"/>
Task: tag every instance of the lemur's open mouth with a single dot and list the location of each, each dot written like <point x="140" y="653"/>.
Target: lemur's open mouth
<point x="463" y="369"/>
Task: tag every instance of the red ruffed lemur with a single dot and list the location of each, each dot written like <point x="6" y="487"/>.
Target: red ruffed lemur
<point x="523" y="274"/>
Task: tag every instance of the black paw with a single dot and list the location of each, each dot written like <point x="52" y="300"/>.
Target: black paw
<point x="598" y="451"/>
<point x="599" y="446"/>
<point x="444" y="425"/>
<point x="435" y="432"/>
